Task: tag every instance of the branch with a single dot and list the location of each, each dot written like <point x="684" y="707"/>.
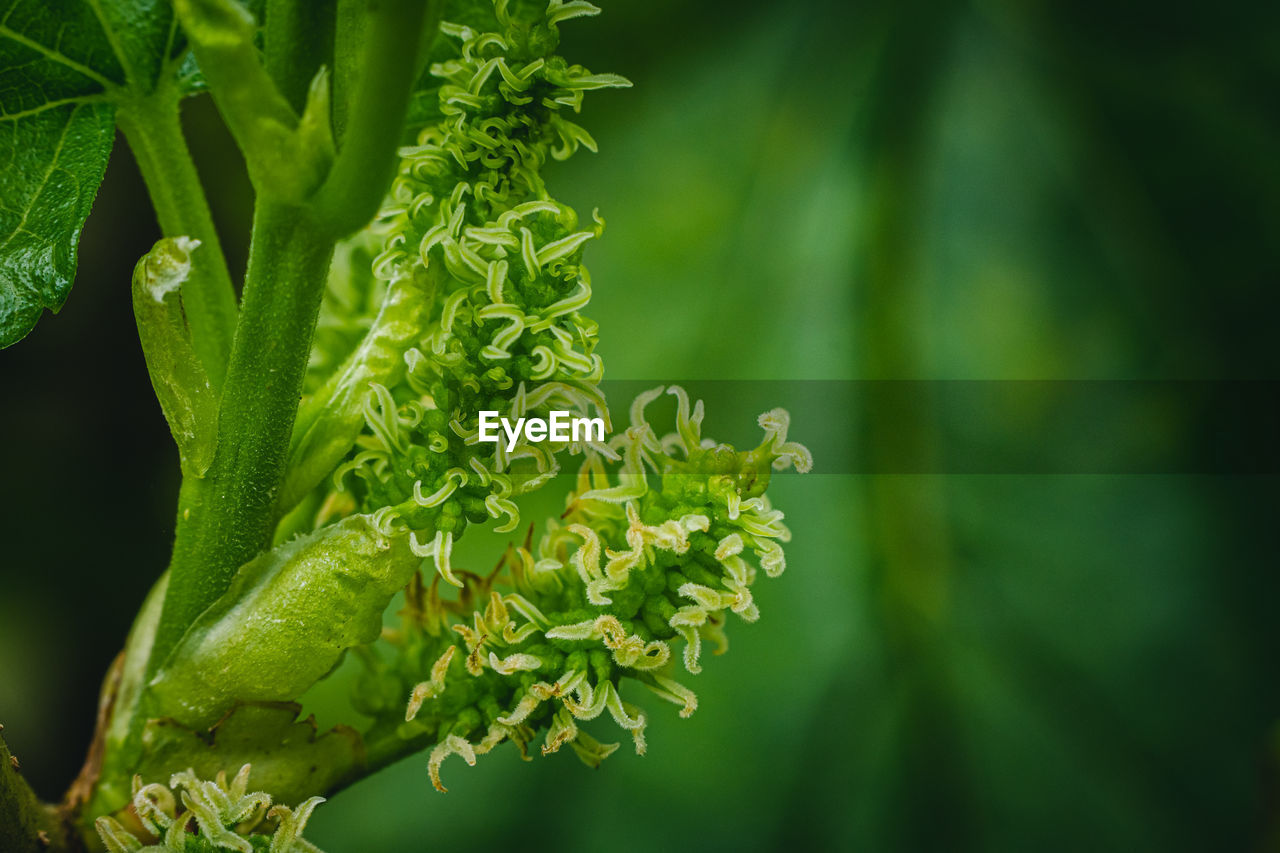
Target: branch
<point x="26" y="824"/>
<point x="299" y="41"/>
<point x="287" y="156"/>
<point x="357" y="183"/>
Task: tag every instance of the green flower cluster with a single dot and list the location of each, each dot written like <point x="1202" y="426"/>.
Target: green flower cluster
<point x="482" y="290"/>
<point x="648" y="556"/>
<point x="472" y="228"/>
<point x="217" y="815"/>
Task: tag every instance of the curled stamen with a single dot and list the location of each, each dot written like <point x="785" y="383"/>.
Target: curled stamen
<point x="776" y="422"/>
<point x="291" y="822"/>
<point x="224" y="815"/>
<point x="440" y="549"/>
<point x="453" y="480"/>
<point x="431" y="688"/>
<point x="514" y="663"/>
<point x="563" y="730"/>
<point x="526" y="706"/>
<point x="558" y="11"/>
<point x="674" y="691"/>
<point x="384" y="419"/>
<point x="451" y="745"/>
<point x="648" y="550"/>
<point x="498" y="507"/>
<point x="590" y="750"/>
<point x="115" y="837"/>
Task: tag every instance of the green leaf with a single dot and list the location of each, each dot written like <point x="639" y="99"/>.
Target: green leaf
<point x="285" y="621"/>
<point x="62" y="64"/>
<point x="142" y="35"/>
<point x="55" y="51"/>
<point x="52" y="160"/>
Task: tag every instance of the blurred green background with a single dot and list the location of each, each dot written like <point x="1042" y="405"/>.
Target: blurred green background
<point x="838" y="191"/>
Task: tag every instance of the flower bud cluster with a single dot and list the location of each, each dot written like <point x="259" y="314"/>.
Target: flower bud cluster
<point x="471" y="222"/>
<point x="194" y="814"/>
<point x="649" y="559"/>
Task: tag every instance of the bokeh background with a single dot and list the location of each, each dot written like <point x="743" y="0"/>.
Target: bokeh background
<point x="1060" y="655"/>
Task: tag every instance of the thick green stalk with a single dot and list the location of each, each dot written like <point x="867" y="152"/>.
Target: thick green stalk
<point x="299" y="39"/>
<point x="26" y="824"/>
<point x="225" y="518"/>
<point x="348" y="41"/>
<point x="153" y="130"/>
<point x="358" y="181"/>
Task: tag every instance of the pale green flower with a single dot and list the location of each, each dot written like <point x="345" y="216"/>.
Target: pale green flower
<point x="218" y="815"/>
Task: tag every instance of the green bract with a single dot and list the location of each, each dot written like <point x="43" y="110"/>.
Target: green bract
<point x="181" y="384"/>
<point x="284" y="622"/>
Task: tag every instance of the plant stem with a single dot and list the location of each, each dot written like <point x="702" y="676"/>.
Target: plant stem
<point x="299" y="39"/>
<point x="358" y="181"/>
<point x="152" y="127"/>
<point x="287" y="156"/>
<point x="348" y="41"/>
<point x="224" y="518"/>
<point x="383" y="747"/>
<point x="26" y="824"/>
<point x="331" y="419"/>
<point x="222" y="35"/>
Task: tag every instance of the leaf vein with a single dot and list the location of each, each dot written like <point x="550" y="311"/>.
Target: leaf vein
<point x="49" y="105"/>
<point x="53" y="167"/>
<point x="130" y="73"/>
<point x="54" y="55"/>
